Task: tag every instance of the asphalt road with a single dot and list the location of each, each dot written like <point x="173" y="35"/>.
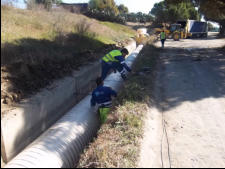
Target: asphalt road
<point x="186" y="125"/>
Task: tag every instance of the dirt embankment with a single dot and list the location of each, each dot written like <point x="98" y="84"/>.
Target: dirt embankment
<point x="19" y="80"/>
<point x="49" y="47"/>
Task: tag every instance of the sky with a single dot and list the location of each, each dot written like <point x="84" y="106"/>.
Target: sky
<point x="17" y="3"/>
<point x="133" y="5"/>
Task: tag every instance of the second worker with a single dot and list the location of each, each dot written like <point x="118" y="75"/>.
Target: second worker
<point x="115" y="60"/>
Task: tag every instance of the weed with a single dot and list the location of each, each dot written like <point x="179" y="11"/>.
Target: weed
<point x="83" y="27"/>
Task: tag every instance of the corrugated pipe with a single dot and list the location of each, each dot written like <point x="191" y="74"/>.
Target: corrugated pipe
<point x="61" y="145"/>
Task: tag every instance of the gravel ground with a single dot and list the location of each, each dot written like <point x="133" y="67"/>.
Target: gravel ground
<point x="186" y="125"/>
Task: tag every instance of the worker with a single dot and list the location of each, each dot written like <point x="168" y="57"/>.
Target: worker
<point x="102" y="95"/>
<point x="163" y="37"/>
<point x="115" y="60"/>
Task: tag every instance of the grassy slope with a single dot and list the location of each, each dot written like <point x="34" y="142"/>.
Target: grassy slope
<point x="39" y="46"/>
<point x="117" y="143"/>
<point x="122" y="30"/>
<point x="59" y="30"/>
<point x="18" y="24"/>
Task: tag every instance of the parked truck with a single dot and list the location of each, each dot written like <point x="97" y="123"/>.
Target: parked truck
<point x="194" y="29"/>
<point x="185" y="29"/>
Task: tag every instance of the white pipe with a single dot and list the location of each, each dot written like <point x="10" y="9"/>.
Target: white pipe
<point x="61" y="145"/>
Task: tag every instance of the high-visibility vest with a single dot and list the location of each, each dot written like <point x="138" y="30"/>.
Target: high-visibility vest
<point x="162" y="35"/>
<point x="110" y="57"/>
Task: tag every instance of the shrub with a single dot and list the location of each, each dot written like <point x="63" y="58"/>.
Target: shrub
<point x="105" y="15"/>
<point x="32" y="5"/>
<point x="83" y="27"/>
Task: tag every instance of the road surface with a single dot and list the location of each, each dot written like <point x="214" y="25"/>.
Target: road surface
<point x="186" y="125"/>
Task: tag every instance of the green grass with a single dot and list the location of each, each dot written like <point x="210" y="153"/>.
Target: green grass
<point x="120" y="28"/>
<point x="105" y="40"/>
<point x="118" y="142"/>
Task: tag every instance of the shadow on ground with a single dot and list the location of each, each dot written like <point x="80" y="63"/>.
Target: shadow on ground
<point x="181" y="75"/>
<point x="191" y="76"/>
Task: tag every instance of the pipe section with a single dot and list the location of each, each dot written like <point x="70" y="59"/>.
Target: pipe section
<point x="61" y="145"/>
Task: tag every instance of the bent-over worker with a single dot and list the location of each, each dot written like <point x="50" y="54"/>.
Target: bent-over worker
<point x="115" y="60"/>
<point x="102" y="96"/>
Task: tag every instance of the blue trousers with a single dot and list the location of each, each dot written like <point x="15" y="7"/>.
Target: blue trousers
<point x="106" y="67"/>
<point x="163" y="41"/>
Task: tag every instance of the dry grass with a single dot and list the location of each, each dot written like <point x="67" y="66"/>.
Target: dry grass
<point x="38" y="24"/>
<point x="55" y="27"/>
<point x="118" y="141"/>
<point x="116" y="145"/>
<point x="123" y="31"/>
<point x="38" y="47"/>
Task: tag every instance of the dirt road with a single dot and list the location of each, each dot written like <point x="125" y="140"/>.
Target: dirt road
<point x="186" y="126"/>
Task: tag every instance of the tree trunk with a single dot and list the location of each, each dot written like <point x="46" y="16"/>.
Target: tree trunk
<point x="222" y="27"/>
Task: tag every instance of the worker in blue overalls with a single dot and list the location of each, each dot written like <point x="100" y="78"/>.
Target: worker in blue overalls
<point x="102" y="95"/>
<point x="115" y="60"/>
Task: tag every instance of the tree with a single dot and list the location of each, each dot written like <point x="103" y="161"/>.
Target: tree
<point x="105" y="10"/>
<point x="138" y="17"/>
<point x="173" y="10"/>
<point x="210" y="27"/>
<point x="108" y="6"/>
<point x="47" y="3"/>
<point x="181" y="11"/>
<point x="214" y="10"/>
<point x="160" y="12"/>
<point x="123" y="9"/>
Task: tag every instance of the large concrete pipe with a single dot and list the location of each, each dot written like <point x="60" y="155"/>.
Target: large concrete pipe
<point x="26" y="121"/>
<point x="61" y="145"/>
<point x="130" y="45"/>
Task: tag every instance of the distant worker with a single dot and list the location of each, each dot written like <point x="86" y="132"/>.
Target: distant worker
<point x="103" y="97"/>
<point x="115" y="60"/>
<point x="163" y="38"/>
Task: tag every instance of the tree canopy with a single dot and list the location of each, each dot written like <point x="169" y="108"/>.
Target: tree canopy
<point x="123" y="9"/>
<point x="47" y="3"/>
<point x="104" y="5"/>
<point x="214" y="10"/>
<point x="160" y="11"/>
<point x="170" y="11"/>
